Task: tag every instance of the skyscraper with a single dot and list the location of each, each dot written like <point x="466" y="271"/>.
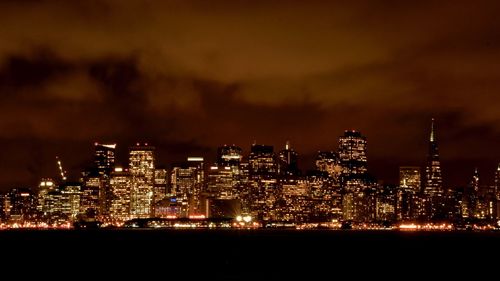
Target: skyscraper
<point x="104" y="158"/>
<point x="70" y="199"/>
<point x="142" y="169"/>
<point x="358" y="200"/>
<point x="92" y="183"/>
<point x="222" y="183"/>
<point x="352" y="153"/>
<point x="288" y="159"/>
<point x="262" y="161"/>
<point x="408" y="200"/>
<point x="497" y="182"/>
<point x="45" y="186"/>
<point x="263" y="182"/>
<point x="187" y="180"/>
<point x="104" y="164"/>
<point x="433" y="179"/>
<point x="433" y="192"/>
<point x="120" y="199"/>
<point x="160" y="186"/>
<point x="22" y="204"/>
<point x="229" y="155"/>
<point x="409" y="177"/>
<point x="328" y="161"/>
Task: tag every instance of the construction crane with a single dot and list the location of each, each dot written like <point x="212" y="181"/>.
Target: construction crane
<point x="59" y="164"/>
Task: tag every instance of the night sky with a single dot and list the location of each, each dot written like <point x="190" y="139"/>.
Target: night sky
<point x="189" y="76"/>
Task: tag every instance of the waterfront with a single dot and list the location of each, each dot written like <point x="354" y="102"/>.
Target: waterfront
<point x="251" y="254"/>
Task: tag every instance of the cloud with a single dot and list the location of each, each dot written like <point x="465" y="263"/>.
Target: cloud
<point x="194" y="75"/>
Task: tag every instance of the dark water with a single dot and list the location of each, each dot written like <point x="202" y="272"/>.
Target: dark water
<point x="251" y="255"/>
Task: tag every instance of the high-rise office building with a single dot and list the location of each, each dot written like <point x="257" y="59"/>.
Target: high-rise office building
<point x="22" y="204"/>
<point x="229" y="155"/>
<point x="160" y="185"/>
<point x="70" y="199"/>
<point x="262" y="161"/>
<point x="433" y="178"/>
<point x="222" y="182"/>
<point x="44" y="187"/>
<point x="497" y="182"/>
<point x="385" y="210"/>
<point x="225" y="178"/>
<point x="4" y="207"/>
<point x="121" y="188"/>
<point x="409" y="177"/>
<point x="359" y="189"/>
<point x="288" y="161"/>
<point x="104" y="164"/>
<point x="497" y="192"/>
<point x="263" y="190"/>
<point x="142" y="169"/>
<point x="328" y="161"/>
<point x="104" y="158"/>
<point x="91" y="188"/>
<point x="352" y="153"/>
<point x="187" y="181"/>
<point x="408" y="193"/>
<point x="433" y="186"/>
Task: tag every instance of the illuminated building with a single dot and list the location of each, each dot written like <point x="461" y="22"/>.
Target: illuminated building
<point x="328" y="161"/>
<point x="142" y="169"/>
<point x="497" y="182"/>
<point x="408" y="194"/>
<point x="222" y="182"/>
<point x="45" y="186"/>
<point x="326" y="196"/>
<point x="497" y="192"/>
<point x="160" y="185"/>
<point x="53" y="205"/>
<point x="359" y="189"/>
<point x="262" y="161"/>
<point x="433" y="189"/>
<point x="22" y="204"/>
<point x="295" y="203"/>
<point x="469" y="204"/>
<point x="263" y="182"/>
<point x="385" y="210"/>
<point x="287" y="161"/>
<point x="63" y="202"/>
<point x="453" y="200"/>
<point x="225" y="179"/>
<point x="121" y="187"/>
<point x="352" y="153"/>
<point x="409" y="177"/>
<point x="4" y="207"/>
<point x="70" y="199"/>
<point x="229" y="155"/>
<point x="478" y="202"/>
<point x="104" y="158"/>
<point x="89" y="198"/>
<point x="104" y="164"/>
<point x="187" y="181"/>
<point x="359" y="200"/>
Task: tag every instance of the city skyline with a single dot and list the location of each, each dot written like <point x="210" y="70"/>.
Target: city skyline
<point x="74" y="173"/>
<point x="264" y="189"/>
<point x="249" y="140"/>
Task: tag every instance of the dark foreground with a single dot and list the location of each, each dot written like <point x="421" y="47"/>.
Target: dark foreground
<point x="250" y="254"/>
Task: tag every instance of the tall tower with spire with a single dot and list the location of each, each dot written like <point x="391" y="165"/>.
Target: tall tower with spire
<point x="433" y="179"/>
